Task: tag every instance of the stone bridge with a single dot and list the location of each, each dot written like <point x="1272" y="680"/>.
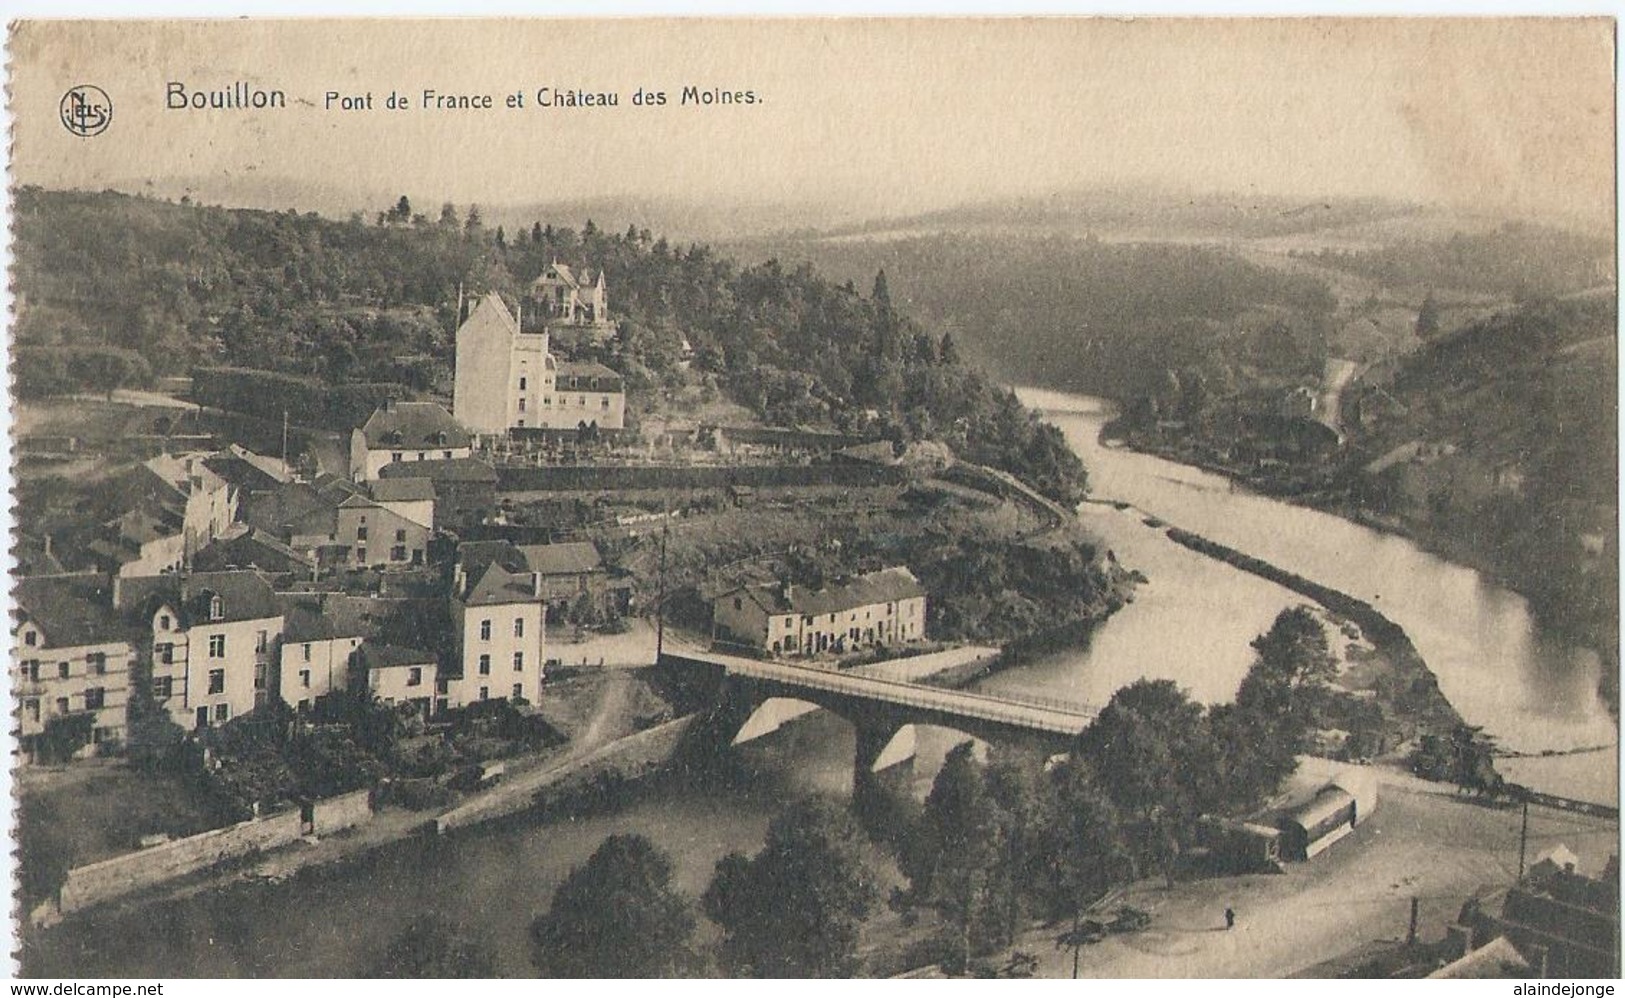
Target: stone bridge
<point x="746" y="698"/>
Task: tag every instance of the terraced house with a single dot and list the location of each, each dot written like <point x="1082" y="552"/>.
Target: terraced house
<point x="881" y="608"/>
<point x="71" y="658"/>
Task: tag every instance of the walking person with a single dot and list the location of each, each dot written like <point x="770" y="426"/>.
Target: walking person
<point x="1229" y="919"/>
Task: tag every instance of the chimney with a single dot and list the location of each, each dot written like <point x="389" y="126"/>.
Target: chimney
<point x="536" y="584"/>
<point x="118" y="589"/>
<point x="785" y="589"/>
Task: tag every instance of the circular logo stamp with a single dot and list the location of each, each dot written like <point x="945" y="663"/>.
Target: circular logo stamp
<point x="86" y="110"/>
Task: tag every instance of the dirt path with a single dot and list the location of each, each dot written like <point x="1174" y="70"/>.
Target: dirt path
<point x="1356" y="892"/>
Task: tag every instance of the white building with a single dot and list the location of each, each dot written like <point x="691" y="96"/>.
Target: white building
<point x="497" y="612"/>
<point x="881" y="608"/>
<point x="506" y="379"/>
<point x="214" y="639"/>
<point x="406" y="431"/>
<point x="71" y="656"/>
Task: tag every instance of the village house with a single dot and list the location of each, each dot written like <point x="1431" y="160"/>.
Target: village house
<point x="409" y="498"/>
<point x="881" y="608"/>
<point x="509" y="380"/>
<point x="71" y="657"/>
<point x="214" y="637"/>
<point x="179" y="505"/>
<point x="565" y="297"/>
<point x="567" y="570"/>
<point x="249" y="547"/>
<point x="497" y="621"/>
<point x="464" y="488"/>
<point x="396" y="675"/>
<point x="374" y="535"/>
<point x="406" y="431"/>
<point x="318" y="649"/>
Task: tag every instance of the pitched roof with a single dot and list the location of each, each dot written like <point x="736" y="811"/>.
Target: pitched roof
<point x="252" y="547"/>
<point x="884" y="586"/>
<point x="403" y="490"/>
<point x="498" y="585"/>
<point x="414" y="425"/>
<point x="244" y="595"/>
<point x="491" y="311"/>
<point x="381" y="656"/>
<point x="457" y="469"/>
<point x="569" y="558"/>
<point x="71" y="610"/>
<point x="241" y="473"/>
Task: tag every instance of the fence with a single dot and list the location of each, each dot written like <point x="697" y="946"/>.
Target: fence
<point x="102" y="881"/>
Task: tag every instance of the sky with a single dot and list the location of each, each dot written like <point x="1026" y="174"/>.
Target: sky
<point x="1499" y="115"/>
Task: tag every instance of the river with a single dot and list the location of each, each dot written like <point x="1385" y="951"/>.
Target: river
<point x="1191" y="623"/>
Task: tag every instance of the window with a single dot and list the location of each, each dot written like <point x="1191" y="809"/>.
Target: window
<point x="605" y="404"/>
<point x="260" y="674"/>
<point x="31" y="669"/>
<point x="397" y="553"/>
<point x="304" y="678"/>
<point x="485" y="665"/>
<point x="222" y="713"/>
<point x="31" y="639"/>
<point x="165" y="653"/>
<point x="518" y="691"/>
<point x="361" y="533"/>
<point x="217" y="680"/>
<point x="163" y="621"/>
<point x="307" y="651"/>
<point x="400" y="535"/>
<point x="261" y="640"/>
<point x="97" y="661"/>
<point x="395" y="457"/>
<point x="414" y="676"/>
<point x="217" y="608"/>
<point x="62" y="670"/>
<point x="739" y="604"/>
<point x="162" y="687"/>
<point x="521" y="384"/>
<point x="521" y="405"/>
<point x="217" y="646"/>
<point x="519" y="661"/>
<point x="485" y="692"/>
<point x="519" y="627"/>
<point x="361" y="555"/>
<point x="547" y="400"/>
<point x="446" y="454"/>
<point x="421" y="455"/>
<point x="521" y="423"/>
<point x="95" y="698"/>
<point x="304" y="705"/>
<point x="485" y="630"/>
<point x="31" y="709"/>
<point x="61" y="705"/>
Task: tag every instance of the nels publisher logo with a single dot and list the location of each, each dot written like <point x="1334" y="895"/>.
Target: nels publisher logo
<point x="86" y="110"/>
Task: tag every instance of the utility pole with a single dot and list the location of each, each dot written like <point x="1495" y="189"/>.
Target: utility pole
<point x="1523" y="838"/>
<point x="284" y="441"/>
<point x="660" y="596"/>
<point x="1410" y="936"/>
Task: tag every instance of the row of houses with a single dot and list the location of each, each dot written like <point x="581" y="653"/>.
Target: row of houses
<point x="879" y="609"/>
<point x="208" y="647"/>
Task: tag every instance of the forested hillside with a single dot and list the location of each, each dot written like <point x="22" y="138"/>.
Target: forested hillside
<point x="1095" y="316"/>
<point x="113" y="289"/>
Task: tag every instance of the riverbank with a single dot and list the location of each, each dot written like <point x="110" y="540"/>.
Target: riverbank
<point x="1414" y="695"/>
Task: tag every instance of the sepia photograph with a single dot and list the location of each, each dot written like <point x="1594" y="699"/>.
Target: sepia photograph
<point x="813" y="497"/>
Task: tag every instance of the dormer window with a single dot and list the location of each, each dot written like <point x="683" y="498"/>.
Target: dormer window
<point x="217" y="608"/>
<point x="31" y="638"/>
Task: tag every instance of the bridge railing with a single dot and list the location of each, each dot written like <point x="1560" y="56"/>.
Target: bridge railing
<point x="1068" y="719"/>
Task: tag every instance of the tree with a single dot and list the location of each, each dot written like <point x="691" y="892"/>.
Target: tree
<point x="1153" y="751"/>
<point x="448" y="216"/>
<point x="430" y="947"/>
<point x="795" y="909"/>
<point x="402" y="212"/>
<point x="1014" y="783"/>
<point x="1082" y="850"/>
<point x="1293" y="661"/>
<point x="949" y="860"/>
<point x="616" y="916"/>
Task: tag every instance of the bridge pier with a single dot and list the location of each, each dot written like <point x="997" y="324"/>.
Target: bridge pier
<point x="883" y="761"/>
